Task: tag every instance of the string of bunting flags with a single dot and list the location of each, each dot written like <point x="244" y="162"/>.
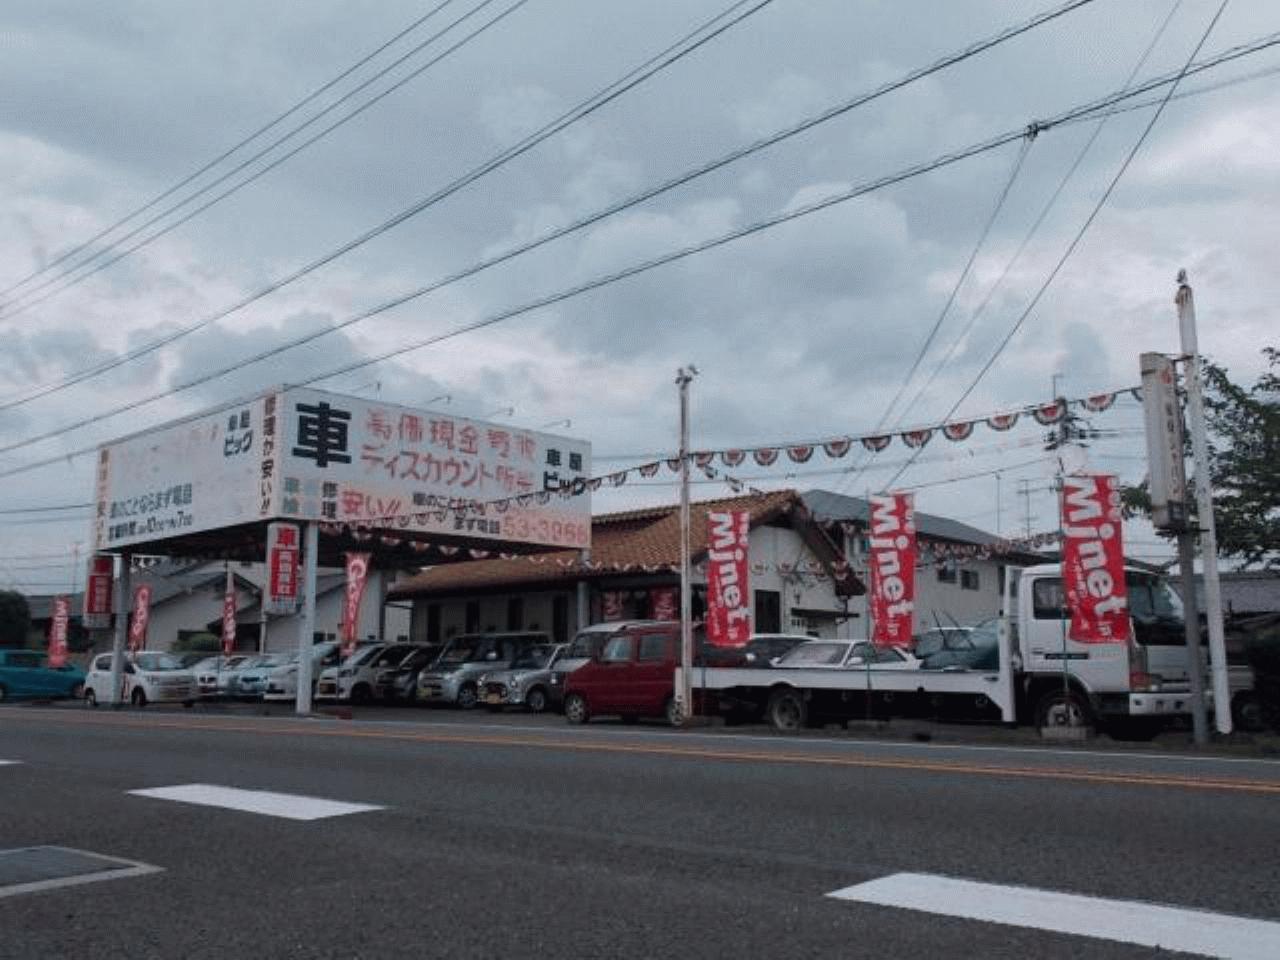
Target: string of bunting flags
<point x="835" y="448"/>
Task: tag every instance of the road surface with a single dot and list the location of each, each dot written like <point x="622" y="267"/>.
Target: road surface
<point x="484" y="837"/>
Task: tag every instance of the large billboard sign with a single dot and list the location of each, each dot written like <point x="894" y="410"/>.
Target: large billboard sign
<point x="302" y="454"/>
<point x="350" y="460"/>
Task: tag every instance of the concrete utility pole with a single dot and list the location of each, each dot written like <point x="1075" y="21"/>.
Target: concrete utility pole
<point x="684" y="376"/>
<point x="1204" y="502"/>
<point x="122" y="629"/>
<point x="307" y="622"/>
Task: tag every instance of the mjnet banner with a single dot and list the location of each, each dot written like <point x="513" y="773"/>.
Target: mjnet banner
<point x="1093" y="560"/>
<point x="283" y="553"/>
<point x="357" y="576"/>
<point x="97" y="593"/>
<point x="141" y="614"/>
<point x="58" y="632"/>
<point x="892" y="565"/>
<point x="728" y="589"/>
<point x="228" y="622"/>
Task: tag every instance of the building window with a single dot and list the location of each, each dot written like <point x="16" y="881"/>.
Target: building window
<point x="768" y="611"/>
<point x="472" y="616"/>
<point x="515" y="613"/>
<point x="433" y="623"/>
<point x="947" y="572"/>
<point x="969" y="579"/>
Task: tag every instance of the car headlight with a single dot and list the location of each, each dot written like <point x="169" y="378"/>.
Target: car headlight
<point x="555" y="679"/>
<point x="516" y="679"/>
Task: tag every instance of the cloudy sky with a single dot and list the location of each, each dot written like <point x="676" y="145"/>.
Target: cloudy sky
<point x="803" y="331"/>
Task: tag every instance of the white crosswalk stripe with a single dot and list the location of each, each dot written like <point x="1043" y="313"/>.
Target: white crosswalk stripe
<point x="1124" y="921"/>
<point x="287" y="805"/>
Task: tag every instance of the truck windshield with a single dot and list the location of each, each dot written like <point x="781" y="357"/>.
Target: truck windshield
<point x="1152" y="600"/>
<point x="535" y="658"/>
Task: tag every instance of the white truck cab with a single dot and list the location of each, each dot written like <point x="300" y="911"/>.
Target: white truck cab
<point x="1063" y="682"/>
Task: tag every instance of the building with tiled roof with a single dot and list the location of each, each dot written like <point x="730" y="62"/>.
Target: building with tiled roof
<point x="799" y="578"/>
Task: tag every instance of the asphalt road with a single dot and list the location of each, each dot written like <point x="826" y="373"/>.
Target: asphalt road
<point x="502" y="837"/>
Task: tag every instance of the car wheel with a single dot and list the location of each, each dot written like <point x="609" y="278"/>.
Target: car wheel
<point x="139" y="698"/>
<point x="787" y="711"/>
<point x="76" y="691"/>
<point x="90" y="698"/>
<point x="1064" y="708"/>
<point x="4" y="694"/>
<point x="630" y="719"/>
<point x="188" y="704"/>
<point x="360" y="694"/>
<point x="575" y="708"/>
<point x="467" y="697"/>
<point x="671" y="710"/>
<point x="536" y="700"/>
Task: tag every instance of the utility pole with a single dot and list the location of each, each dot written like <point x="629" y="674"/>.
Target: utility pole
<point x="1025" y="491"/>
<point x="684" y="376"/>
<point x="1204" y="502"/>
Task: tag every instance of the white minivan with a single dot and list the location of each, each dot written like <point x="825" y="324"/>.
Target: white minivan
<point x="149" y="676"/>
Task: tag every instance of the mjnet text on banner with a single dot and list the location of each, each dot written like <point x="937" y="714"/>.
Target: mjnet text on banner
<point x="728" y="589"/>
<point x="141" y="615"/>
<point x="892" y="565"/>
<point x="1093" y="560"/>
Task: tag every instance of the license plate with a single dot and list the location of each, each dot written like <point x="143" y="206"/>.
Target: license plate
<point x="495" y="698"/>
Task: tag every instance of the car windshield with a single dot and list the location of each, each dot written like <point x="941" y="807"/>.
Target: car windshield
<point x="535" y="658"/>
<point x="362" y="655"/>
<point x="157" y="661"/>
<point x="826" y="654"/>
<point x="467" y="650"/>
<point x="210" y="663"/>
<point x="586" y="644"/>
<point x="1152" y="599"/>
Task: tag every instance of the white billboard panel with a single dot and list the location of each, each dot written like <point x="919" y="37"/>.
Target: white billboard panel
<point x="196" y="475"/>
<point x="1162" y="415"/>
<point x="350" y="460"/>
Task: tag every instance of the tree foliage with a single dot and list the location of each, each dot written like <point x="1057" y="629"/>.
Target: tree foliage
<point x="197" y="643"/>
<point x="15" y="619"/>
<point x="1244" y="455"/>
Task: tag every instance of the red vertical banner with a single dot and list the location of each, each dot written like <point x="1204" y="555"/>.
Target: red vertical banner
<point x="228" y="622"/>
<point x="97" y="592"/>
<point x="610" y="606"/>
<point x="141" y="616"/>
<point x="1093" y="560"/>
<point x="728" y="584"/>
<point x="284" y="553"/>
<point x="58" y="625"/>
<point x="664" y="603"/>
<point x="357" y="577"/>
<point x="891" y="562"/>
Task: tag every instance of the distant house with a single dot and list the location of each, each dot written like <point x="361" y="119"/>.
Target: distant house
<point x="1244" y="592"/>
<point x="799" y="579"/>
<point x="962" y="574"/>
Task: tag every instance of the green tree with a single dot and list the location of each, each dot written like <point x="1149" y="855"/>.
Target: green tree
<point x="15" y="619"/>
<point x="197" y="643"/>
<point x="1244" y="455"/>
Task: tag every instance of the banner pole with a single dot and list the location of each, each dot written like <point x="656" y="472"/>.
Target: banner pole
<point x="684" y="376"/>
<point x="307" y="622"/>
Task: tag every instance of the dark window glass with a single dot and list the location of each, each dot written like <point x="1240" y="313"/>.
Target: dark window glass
<point x="473" y="616"/>
<point x="768" y="611"/>
<point x="653" y="646"/>
<point x="969" y="579"/>
<point x="515" y="613"/>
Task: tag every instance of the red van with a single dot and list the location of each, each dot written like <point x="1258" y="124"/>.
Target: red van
<point x="633" y="676"/>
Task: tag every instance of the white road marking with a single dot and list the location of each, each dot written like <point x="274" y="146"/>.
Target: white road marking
<point x="1124" y="921"/>
<point x="9" y="763"/>
<point x="288" y="805"/>
<point x="126" y="868"/>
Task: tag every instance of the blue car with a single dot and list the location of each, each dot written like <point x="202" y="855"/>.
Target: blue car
<point x="26" y="675"/>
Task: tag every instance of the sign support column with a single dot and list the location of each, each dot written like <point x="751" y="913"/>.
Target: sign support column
<point x="307" y="622"/>
<point x="123" y="604"/>
<point x="1204" y="504"/>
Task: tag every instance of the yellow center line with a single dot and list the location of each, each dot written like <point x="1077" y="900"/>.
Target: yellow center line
<point x="700" y="753"/>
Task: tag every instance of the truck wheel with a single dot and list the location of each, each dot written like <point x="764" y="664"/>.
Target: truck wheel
<point x="575" y="708"/>
<point x="787" y="711"/>
<point x="90" y="698"/>
<point x="1246" y="710"/>
<point x="1063" y="709"/>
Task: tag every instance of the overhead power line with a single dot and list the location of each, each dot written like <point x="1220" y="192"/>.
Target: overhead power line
<point x="908" y="173"/>
<point x="1084" y="227"/>
<point x="229" y="152"/>
<point x="14" y="308"/>
<point x="609" y="92"/>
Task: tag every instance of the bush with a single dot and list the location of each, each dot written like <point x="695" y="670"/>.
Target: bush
<point x="197" y="643"/>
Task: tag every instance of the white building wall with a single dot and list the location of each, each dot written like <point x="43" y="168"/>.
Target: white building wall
<point x="778" y="546"/>
<point x="282" y="632"/>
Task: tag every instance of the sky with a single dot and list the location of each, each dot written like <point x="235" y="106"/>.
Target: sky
<point x="802" y="331"/>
